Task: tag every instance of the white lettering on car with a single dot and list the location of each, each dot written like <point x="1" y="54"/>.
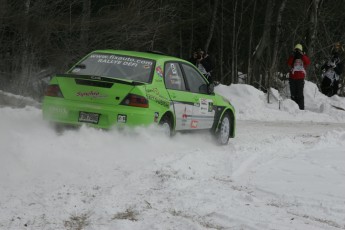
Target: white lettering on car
<point x="118" y="60"/>
<point x="130" y="64"/>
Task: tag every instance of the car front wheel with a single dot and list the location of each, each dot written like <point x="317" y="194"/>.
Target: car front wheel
<point x="223" y="132"/>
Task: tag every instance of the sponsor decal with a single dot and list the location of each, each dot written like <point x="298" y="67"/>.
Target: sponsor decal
<point x="121" y="60"/>
<point x="194" y="124"/>
<point x="109" y="61"/>
<point x="206" y="105"/>
<point x="159" y="71"/>
<point x="210" y="106"/>
<point x="203" y="101"/>
<point x="158" y="100"/>
<point x="121" y="118"/>
<point x="153" y="90"/>
<point x="184" y="117"/>
<point x="92" y="94"/>
<point x="156" y="117"/>
<point x="203" y="110"/>
<point x="184" y="114"/>
<point x="58" y="110"/>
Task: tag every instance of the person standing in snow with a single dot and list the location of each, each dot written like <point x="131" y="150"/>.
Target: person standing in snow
<point x="203" y="62"/>
<point x="332" y="70"/>
<point x="297" y="62"/>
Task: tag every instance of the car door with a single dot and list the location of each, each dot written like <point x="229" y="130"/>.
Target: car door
<point x="203" y="111"/>
<point x="181" y="101"/>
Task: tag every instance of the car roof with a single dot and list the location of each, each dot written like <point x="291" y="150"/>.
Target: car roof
<point x="150" y="54"/>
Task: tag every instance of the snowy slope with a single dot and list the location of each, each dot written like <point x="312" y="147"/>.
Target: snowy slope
<point x="284" y="170"/>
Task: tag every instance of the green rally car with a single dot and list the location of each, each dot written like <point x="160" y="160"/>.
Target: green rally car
<point x="125" y="88"/>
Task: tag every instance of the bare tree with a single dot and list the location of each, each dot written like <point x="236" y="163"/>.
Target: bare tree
<point x="276" y="44"/>
<point x="221" y="45"/>
<point x="312" y="32"/>
<point x="250" y="42"/>
<point x="263" y="46"/>
<point x="212" y="25"/>
<point x="27" y="57"/>
<point x="233" y="45"/>
<point x="85" y="23"/>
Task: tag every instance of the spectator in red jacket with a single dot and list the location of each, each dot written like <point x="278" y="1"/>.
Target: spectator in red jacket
<point x="297" y="62"/>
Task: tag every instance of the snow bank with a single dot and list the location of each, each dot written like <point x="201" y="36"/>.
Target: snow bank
<point x="252" y="104"/>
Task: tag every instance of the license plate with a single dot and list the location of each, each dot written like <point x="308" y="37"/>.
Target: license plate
<point x="89" y="117"/>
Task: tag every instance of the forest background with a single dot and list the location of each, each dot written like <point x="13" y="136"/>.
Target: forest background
<point x="249" y="40"/>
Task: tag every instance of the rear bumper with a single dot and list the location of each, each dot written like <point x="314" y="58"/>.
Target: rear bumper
<point x="67" y="112"/>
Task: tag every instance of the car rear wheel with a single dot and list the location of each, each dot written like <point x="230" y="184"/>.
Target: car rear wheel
<point x="223" y="132"/>
<point x="166" y="125"/>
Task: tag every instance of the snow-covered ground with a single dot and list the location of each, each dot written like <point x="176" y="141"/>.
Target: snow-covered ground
<point x="283" y="170"/>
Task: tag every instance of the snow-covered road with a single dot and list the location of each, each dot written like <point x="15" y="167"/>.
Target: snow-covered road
<point x="273" y="175"/>
<point x="296" y="168"/>
<point x="283" y="170"/>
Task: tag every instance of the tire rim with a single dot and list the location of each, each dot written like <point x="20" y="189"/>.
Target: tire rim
<point x="224" y="130"/>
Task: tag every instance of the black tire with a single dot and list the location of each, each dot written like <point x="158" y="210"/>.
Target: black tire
<point x="166" y="125"/>
<point x="223" y="133"/>
<point x="61" y="128"/>
<point x="58" y="128"/>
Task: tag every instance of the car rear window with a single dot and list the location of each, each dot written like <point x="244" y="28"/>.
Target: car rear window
<point x="115" y="66"/>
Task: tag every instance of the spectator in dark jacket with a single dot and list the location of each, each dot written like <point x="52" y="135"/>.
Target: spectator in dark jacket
<point x="297" y="62"/>
<point x="203" y="62"/>
<point x="332" y="70"/>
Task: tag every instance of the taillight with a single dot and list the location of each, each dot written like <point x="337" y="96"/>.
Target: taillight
<point x="135" y="100"/>
<point x="53" y="91"/>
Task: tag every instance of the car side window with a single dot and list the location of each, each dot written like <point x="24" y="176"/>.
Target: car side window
<point x="173" y="77"/>
<point x="196" y="83"/>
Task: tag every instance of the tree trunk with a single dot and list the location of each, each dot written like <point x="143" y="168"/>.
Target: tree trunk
<point x="3" y="10"/>
<point x="273" y="69"/>
<point x="312" y="32"/>
<point x="237" y="39"/>
<point x="212" y="25"/>
<point x="233" y="46"/>
<point x="221" y="50"/>
<point x="250" y="42"/>
<point x="264" y="44"/>
<point x="85" y="24"/>
<point x="25" y="60"/>
<point x="156" y="29"/>
<point x="191" y="44"/>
